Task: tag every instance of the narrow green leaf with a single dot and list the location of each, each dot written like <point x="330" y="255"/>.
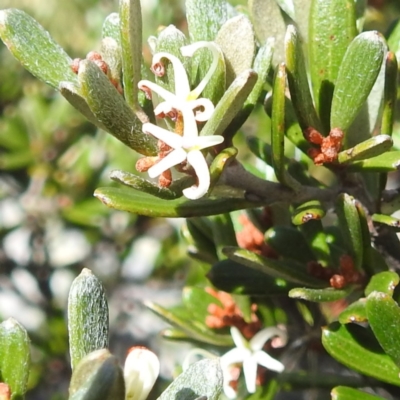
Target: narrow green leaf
<point x="369" y="261"/>
<point x="111" y="27"/>
<point x="269" y="22"/>
<point x="223" y="233"/>
<point x="278" y="129"/>
<point x="205" y="18"/>
<point x="203" y="379"/>
<point x="112" y="55"/>
<point x="175" y="334"/>
<point x="293" y="129"/>
<point x="301" y="17"/>
<point x="233" y="277"/>
<point x="384" y="319"/>
<point x="390" y="93"/>
<point x="287" y="6"/>
<point x="145" y="204"/>
<point x="111" y="49"/>
<point x="238" y="53"/>
<point x="15" y="357"/>
<point x="286" y="269"/>
<point x="288" y="242"/>
<point x="375" y="261"/>
<point x="311" y="210"/>
<point x="131" y="43"/>
<point x="298" y="81"/>
<point x="200" y="245"/>
<point x="373" y="147"/>
<point x="357" y="74"/>
<point x="196" y="330"/>
<point x="219" y="163"/>
<point x="332" y="26"/>
<point x="316" y="237"/>
<point x="111" y="110"/>
<point x="230" y="104"/>
<point x="260" y="149"/>
<point x="348" y="393"/>
<point x="87" y="316"/>
<point x="34" y="48"/>
<point x="387" y="220"/>
<point x="394" y="39"/>
<point x="138" y="183"/>
<point x="262" y="66"/>
<point x="350" y="345"/>
<point x="71" y="92"/>
<point x="349" y="222"/>
<point x="355" y="312"/>
<point x="197" y="300"/>
<point x="98" y="376"/>
<point x="389" y="161"/>
<point x="320" y="295"/>
<point x="384" y="282"/>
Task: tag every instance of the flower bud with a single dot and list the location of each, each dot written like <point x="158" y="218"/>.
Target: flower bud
<point x="140" y="372"/>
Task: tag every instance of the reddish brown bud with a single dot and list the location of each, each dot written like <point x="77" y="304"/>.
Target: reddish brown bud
<point x="102" y="65"/>
<point x="313" y="136"/>
<point x="337" y="281"/>
<point x="143" y="164"/>
<point x="165" y="179"/>
<point x="93" y="56"/>
<point x="75" y="65"/>
<point x="158" y="69"/>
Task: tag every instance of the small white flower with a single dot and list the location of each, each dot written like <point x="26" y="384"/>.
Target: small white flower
<point x="183" y="96"/>
<point x="187" y="102"/>
<point x="140" y="373"/>
<point x="250" y="354"/>
<point x="187" y="147"/>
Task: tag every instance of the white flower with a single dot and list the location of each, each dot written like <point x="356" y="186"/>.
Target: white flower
<point x="183" y="96"/>
<point x="250" y="354"/>
<point x="140" y="373"/>
<point x="192" y="108"/>
<point x="187" y="147"/>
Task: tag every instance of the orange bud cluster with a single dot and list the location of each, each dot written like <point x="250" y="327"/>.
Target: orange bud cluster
<point x="329" y="145"/>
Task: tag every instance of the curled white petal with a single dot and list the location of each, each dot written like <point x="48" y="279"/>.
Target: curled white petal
<point x="258" y="340"/>
<point x="140" y="373"/>
<point x="188" y="361"/>
<point x="203" y="108"/>
<point x="174" y="158"/>
<point x="198" y="162"/>
<point x="170" y="138"/>
<point x="268" y="362"/>
<point x="229" y="374"/>
<point x="189" y="50"/>
<point x="164" y="93"/>
<point x="163" y="108"/>
<point x="229" y="391"/>
<point x="182" y="87"/>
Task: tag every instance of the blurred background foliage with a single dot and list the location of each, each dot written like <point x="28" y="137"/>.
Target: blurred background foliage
<point x="51" y="161"/>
